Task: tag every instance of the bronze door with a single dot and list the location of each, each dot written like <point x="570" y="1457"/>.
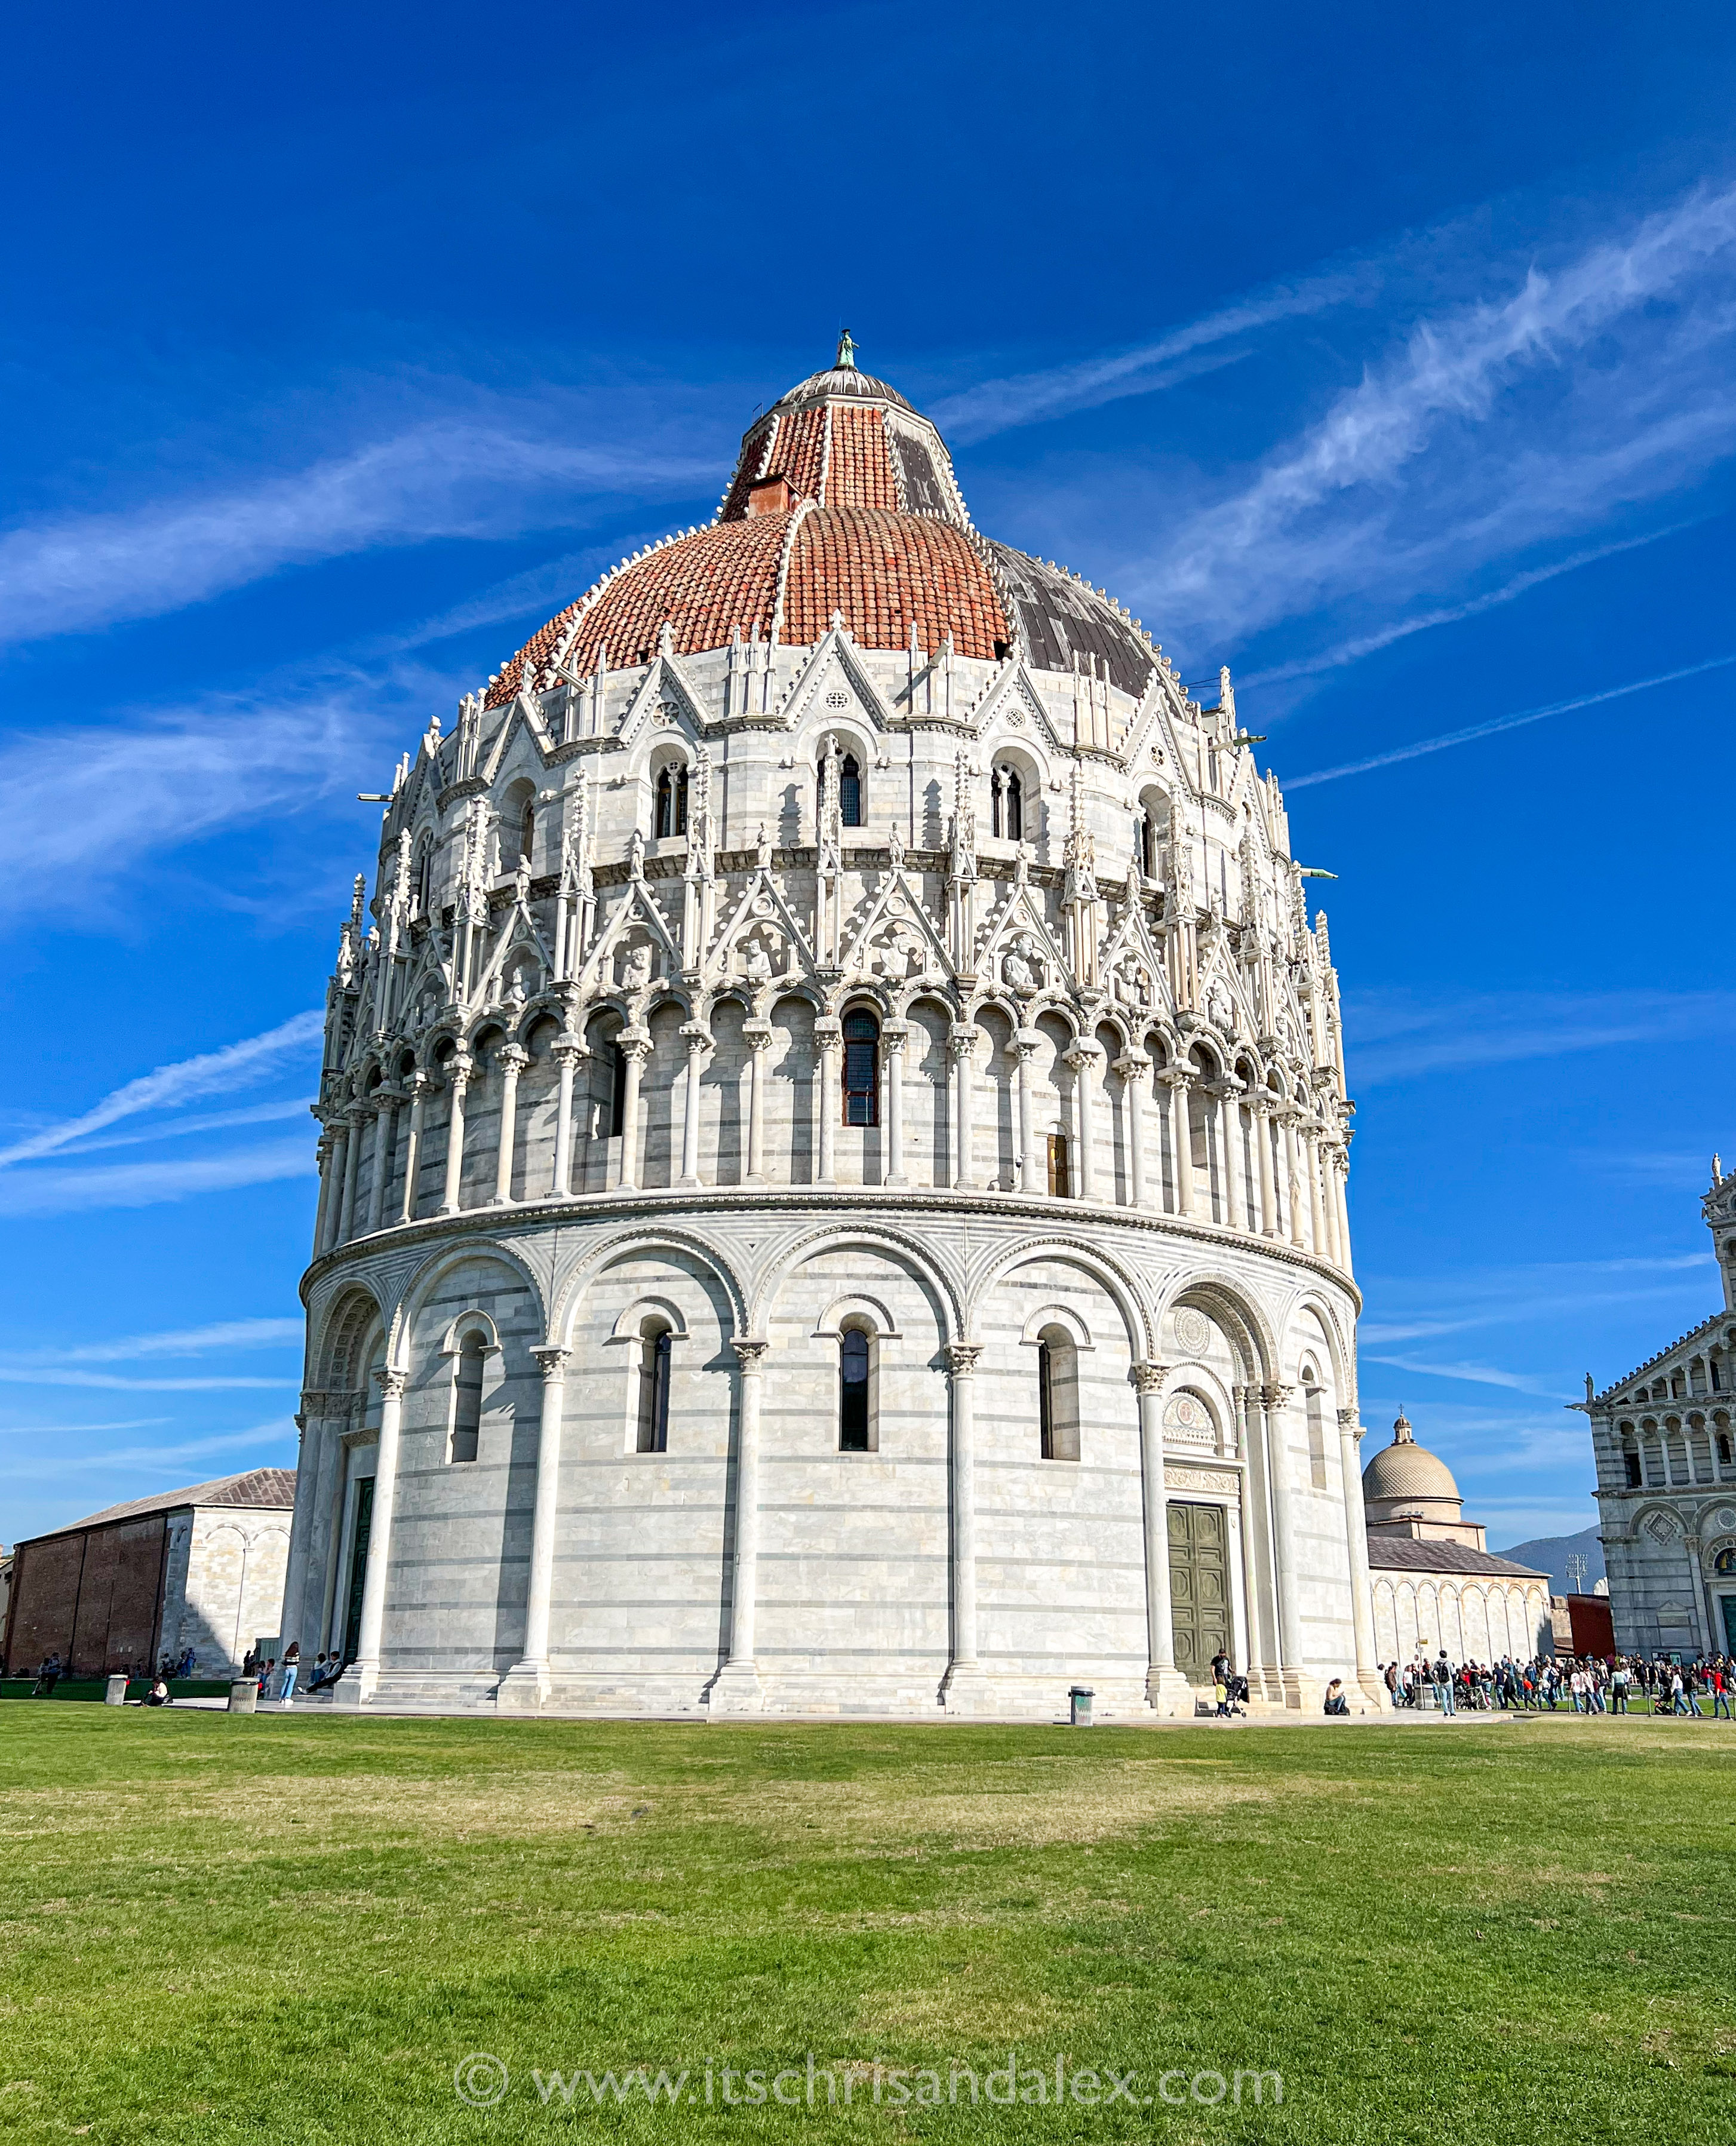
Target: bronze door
<point x="1198" y="1588"/>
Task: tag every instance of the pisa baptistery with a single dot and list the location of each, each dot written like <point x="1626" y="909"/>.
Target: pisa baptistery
<point x="833" y="1152"/>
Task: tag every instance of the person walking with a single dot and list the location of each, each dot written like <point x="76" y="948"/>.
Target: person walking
<point x="1443" y="1676"/>
<point x="1618" y="1688"/>
<point x="1720" y="1691"/>
<point x="290" y="1669"/>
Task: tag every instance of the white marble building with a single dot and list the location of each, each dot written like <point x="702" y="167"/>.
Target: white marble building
<point x="1437" y="1583"/>
<point x="834" y="1151"/>
<point x="1666" y="1477"/>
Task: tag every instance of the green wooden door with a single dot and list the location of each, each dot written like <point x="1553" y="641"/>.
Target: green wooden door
<point x="1198" y="1588"/>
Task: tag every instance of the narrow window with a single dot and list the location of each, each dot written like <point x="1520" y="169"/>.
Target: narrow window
<point x="1008" y="805"/>
<point x="617" y="1090"/>
<point x="1057" y="1395"/>
<point x="527" y="830"/>
<point x="853" y="1392"/>
<point x="1630" y="1462"/>
<point x="850" y="793"/>
<point x="671" y="813"/>
<point x="656" y="1349"/>
<point x="1148" y="846"/>
<point x="467" y="1395"/>
<point x="1316" y="1439"/>
<point x="424" y="876"/>
<point x="1715" y="1386"/>
<point x="1060" y="1180"/>
<point x="1723" y="1445"/>
<point x="861" y="1069"/>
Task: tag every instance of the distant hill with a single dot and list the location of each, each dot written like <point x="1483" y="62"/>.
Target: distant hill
<point x="1549" y="1554"/>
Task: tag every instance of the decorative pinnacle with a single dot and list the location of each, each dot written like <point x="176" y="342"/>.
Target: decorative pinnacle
<point x="846" y="360"/>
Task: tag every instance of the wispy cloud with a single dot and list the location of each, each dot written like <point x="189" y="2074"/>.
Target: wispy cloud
<point x="437" y="480"/>
<point x="1354" y="649"/>
<point x="59" y="1430"/>
<point x="259" y="1113"/>
<point x="151" y="1184"/>
<point x="164" y="1461"/>
<point x="210" y="1073"/>
<point x="1420" y="746"/>
<point x="1499" y="426"/>
<point x="1394" y="1036"/>
<point x="186" y="1341"/>
<point x="1025" y="398"/>
<point x="44" y="1375"/>
<point x="1479" y="1374"/>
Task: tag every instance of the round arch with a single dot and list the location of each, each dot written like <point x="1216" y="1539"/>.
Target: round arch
<point x="1117" y="1282"/>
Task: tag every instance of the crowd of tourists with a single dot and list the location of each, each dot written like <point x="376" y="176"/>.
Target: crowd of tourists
<point x="1618" y="1684"/>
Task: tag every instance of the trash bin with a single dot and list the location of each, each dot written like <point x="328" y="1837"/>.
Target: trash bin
<point x="1081" y="1696"/>
<point x="244" y="1696"/>
<point x="114" y="1693"/>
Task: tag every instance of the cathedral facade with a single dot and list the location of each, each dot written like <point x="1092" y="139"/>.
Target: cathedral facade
<point x="833" y="1152"/>
<point x="1667" y="1474"/>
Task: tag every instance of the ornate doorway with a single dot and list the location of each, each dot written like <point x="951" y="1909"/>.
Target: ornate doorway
<point x="1198" y="1588"/>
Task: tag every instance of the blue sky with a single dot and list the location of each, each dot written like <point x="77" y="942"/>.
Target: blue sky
<point x="1385" y="355"/>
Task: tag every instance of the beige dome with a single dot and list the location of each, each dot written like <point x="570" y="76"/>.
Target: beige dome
<point x="1407" y="1471"/>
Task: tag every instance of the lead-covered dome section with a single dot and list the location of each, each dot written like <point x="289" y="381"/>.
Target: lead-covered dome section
<point x="843" y="503"/>
<point x="1407" y="1471"/>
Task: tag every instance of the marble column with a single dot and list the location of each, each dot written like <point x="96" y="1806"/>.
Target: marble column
<point x="1340" y="1185"/>
<point x="829" y="1041"/>
<point x="1275" y="1404"/>
<point x="636" y="1047"/>
<point x="963" y="1676"/>
<point x="1133" y="1067"/>
<point x="1295" y="1136"/>
<point x="758" y="1035"/>
<point x="1268" y="1191"/>
<point x="1167" y="1691"/>
<point x="1082" y="1059"/>
<point x="697" y="1037"/>
<point x="962" y="1043"/>
<point x="458" y="1073"/>
<point x="310" y="1425"/>
<point x="1356" y="1527"/>
<point x="737" y="1688"/>
<point x="420" y="1085"/>
<point x="339" y="1170"/>
<point x="353" y="1118"/>
<point x="569" y="1054"/>
<point x="1228" y="1093"/>
<point x="526" y="1685"/>
<point x="386" y="1140"/>
<point x="323" y="1155"/>
<point x="895" y="1036"/>
<point x="1023" y="1049"/>
<point x="1179" y="1080"/>
<point x="512" y="1061"/>
<point x="359" y="1680"/>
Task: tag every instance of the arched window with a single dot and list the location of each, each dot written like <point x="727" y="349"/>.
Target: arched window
<point x="1630" y="1467"/>
<point x="527" y="830"/>
<point x="861" y="1068"/>
<point x="855" y="1410"/>
<point x="1724" y="1446"/>
<point x="468" y="1394"/>
<point x="424" y="875"/>
<point x="656" y="1348"/>
<point x="1061" y="1175"/>
<point x="849" y="791"/>
<point x="1008" y="805"/>
<point x="1057" y="1395"/>
<point x="1145" y="841"/>
<point x="671" y="817"/>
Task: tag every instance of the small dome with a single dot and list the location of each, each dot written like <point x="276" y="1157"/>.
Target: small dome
<point x="1405" y="1470"/>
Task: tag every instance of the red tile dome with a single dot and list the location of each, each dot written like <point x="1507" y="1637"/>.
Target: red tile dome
<point x="843" y="500"/>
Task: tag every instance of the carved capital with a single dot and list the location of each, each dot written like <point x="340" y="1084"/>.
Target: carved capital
<point x="1181" y="1077"/>
<point x="829" y="1032"/>
<point x="635" y="1043"/>
<point x="698" y="1036"/>
<point x="1133" y="1065"/>
<point x="1148" y="1377"/>
<point x="962" y="1042"/>
<point x="1276" y="1397"/>
<point x="551" y="1362"/>
<point x="961" y="1357"/>
<point x="1082" y="1056"/>
<point x="759" y="1034"/>
<point x="751" y="1354"/>
<point x="570" y="1050"/>
<point x="393" y="1385"/>
<point x="511" y="1059"/>
<point x="894" y="1034"/>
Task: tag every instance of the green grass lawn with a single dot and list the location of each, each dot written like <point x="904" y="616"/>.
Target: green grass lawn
<point x="295" y="1928"/>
